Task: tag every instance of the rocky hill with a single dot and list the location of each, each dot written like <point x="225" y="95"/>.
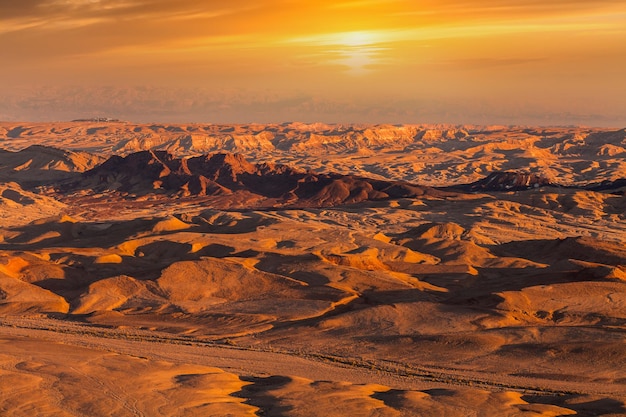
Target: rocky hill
<point x="507" y="181"/>
<point x="161" y="173"/>
<point x="37" y="164"/>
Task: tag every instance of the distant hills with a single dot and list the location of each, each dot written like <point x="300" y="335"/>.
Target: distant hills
<point x="433" y="155"/>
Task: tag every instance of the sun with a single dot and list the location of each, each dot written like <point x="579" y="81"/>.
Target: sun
<point x="357" y="52"/>
<point x="357" y="39"/>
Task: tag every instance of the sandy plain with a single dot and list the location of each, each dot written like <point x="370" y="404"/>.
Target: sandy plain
<point x="130" y="298"/>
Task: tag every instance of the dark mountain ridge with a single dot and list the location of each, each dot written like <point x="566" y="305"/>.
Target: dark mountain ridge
<point x="503" y="181"/>
<point x="506" y="181"/>
<point x="159" y="172"/>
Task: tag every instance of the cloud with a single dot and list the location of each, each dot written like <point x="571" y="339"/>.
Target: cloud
<point x="70" y="28"/>
<point x="143" y="22"/>
<point x="528" y="7"/>
<point x="12" y="8"/>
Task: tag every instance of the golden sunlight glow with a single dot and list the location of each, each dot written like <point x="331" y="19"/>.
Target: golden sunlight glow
<point x="457" y="59"/>
<point x="358" y="52"/>
<point x="357" y="39"/>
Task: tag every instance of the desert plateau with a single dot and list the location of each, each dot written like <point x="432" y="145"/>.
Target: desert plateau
<point x="309" y="269"/>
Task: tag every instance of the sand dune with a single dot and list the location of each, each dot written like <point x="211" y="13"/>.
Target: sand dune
<point x="166" y="388"/>
<point x="184" y="281"/>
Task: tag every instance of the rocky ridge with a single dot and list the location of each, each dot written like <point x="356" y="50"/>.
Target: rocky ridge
<point x="161" y="173"/>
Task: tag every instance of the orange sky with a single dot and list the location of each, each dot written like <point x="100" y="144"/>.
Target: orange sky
<point x="449" y="61"/>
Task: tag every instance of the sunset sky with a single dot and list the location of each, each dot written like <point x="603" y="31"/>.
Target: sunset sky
<point x="397" y="61"/>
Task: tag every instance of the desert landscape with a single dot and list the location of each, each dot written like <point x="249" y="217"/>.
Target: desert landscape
<point x="311" y="270"/>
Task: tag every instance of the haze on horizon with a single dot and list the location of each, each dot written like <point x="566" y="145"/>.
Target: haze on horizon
<point x="395" y="61"/>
